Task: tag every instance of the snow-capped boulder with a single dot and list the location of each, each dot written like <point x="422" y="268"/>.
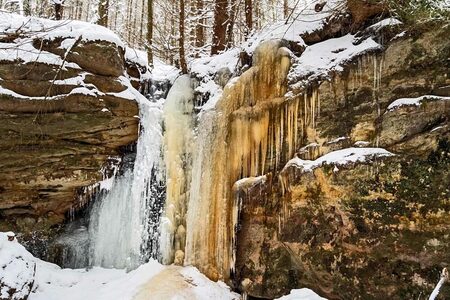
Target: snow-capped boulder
<point x="17" y="269"/>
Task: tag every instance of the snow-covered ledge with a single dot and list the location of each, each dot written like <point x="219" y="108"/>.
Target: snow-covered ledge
<point x="339" y="158"/>
<point x="414" y="101"/>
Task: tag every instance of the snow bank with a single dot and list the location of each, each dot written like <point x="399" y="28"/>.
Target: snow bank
<point x="53" y="283"/>
<point x="16" y="268"/>
<point x="301" y="294"/>
<point x="339" y="158"/>
<point x="414" y="101"/>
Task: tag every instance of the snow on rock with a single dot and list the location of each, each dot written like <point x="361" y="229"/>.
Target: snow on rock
<point x="249" y="182"/>
<point x="25" y="30"/>
<point x="163" y="71"/>
<point x="50" y="29"/>
<point x="160" y="70"/>
<point x="17" y="268"/>
<point x="53" y="283"/>
<point x="414" y="101"/>
<point x="339" y="158"/>
<point x="384" y="23"/>
<point x="307" y="21"/>
<point x="208" y="66"/>
<point x="321" y="59"/>
<point x="301" y="294"/>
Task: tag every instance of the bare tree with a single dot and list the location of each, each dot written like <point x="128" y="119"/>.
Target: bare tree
<point x="248" y="17"/>
<point x="150" y="32"/>
<point x="58" y="7"/>
<point x="103" y="10"/>
<point x="200" y="24"/>
<point x="183" y="64"/>
<point x="220" y="26"/>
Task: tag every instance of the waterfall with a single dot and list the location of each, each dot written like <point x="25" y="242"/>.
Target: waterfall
<point x="178" y="143"/>
<point x="124" y="222"/>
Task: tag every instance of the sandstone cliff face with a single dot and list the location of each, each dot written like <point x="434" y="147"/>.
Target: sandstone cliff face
<point x="65" y="116"/>
<point x="370" y="228"/>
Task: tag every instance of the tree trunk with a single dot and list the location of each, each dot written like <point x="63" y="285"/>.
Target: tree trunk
<point x="183" y="64"/>
<point x="231" y="23"/>
<point x="200" y="25"/>
<point x="103" y="7"/>
<point x="58" y="11"/>
<point x="220" y="26"/>
<point x="150" y="32"/>
<point x="285" y="9"/>
<point x="248" y="17"/>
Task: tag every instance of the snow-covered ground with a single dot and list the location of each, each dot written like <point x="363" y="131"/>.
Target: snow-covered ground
<point x="150" y="281"/>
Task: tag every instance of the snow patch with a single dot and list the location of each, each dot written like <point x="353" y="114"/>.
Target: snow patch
<point x="414" y="101"/>
<point x="301" y="294"/>
<point x="384" y="23"/>
<point x="339" y="158"/>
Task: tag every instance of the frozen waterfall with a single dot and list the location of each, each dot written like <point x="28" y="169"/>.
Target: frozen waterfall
<point x="124" y="222"/>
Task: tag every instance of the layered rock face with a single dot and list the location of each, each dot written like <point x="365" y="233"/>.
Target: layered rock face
<point x="67" y="112"/>
<point x="347" y="223"/>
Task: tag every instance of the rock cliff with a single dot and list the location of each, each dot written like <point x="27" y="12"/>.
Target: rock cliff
<point x="67" y="114"/>
<point x="351" y="226"/>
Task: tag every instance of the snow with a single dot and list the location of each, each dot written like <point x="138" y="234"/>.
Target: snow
<point x="321" y="59"/>
<point x="307" y="21"/>
<point x="337" y="140"/>
<point x="160" y="72"/>
<point x="50" y="29"/>
<point x="53" y="283"/>
<point x="414" y="101"/>
<point x="16" y="267"/>
<point x="207" y="66"/>
<point x="25" y="52"/>
<point x="301" y="294"/>
<point x="249" y="181"/>
<point x="384" y="23"/>
<point x="339" y="158"/>
<point x="361" y="144"/>
<point x="31" y="28"/>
